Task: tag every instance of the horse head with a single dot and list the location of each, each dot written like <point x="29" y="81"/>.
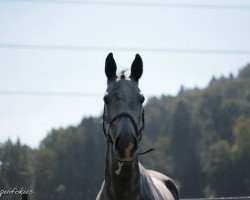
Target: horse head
<point x="123" y="117"/>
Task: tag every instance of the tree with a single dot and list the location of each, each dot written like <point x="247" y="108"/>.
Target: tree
<point x="16" y="170"/>
<point x="181" y="91"/>
<point x="245" y="72"/>
<point x="242" y="153"/>
<point x="218" y="167"/>
<point x="212" y="80"/>
<point x="185" y="160"/>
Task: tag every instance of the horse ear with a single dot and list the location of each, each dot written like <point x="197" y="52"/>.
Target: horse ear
<point x="136" y="68"/>
<point x="110" y="67"/>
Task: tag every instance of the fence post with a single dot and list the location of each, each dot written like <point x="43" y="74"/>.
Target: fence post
<point x="25" y="197"/>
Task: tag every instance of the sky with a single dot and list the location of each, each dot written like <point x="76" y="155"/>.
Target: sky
<point x="99" y="29"/>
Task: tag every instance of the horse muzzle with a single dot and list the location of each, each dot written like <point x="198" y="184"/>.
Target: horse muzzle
<point x="125" y="148"/>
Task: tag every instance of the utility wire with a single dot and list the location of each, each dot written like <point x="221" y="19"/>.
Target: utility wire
<point x="54" y="94"/>
<point x="126" y="49"/>
<point x="136" y="4"/>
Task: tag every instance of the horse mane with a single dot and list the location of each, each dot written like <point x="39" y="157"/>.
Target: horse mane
<point x="122" y="75"/>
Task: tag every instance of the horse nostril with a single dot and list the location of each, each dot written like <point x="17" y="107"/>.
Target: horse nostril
<point x="117" y="143"/>
<point x="125" y="147"/>
<point x="119" y="146"/>
<point x="135" y="145"/>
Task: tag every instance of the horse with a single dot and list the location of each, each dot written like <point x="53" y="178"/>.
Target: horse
<point x="123" y="127"/>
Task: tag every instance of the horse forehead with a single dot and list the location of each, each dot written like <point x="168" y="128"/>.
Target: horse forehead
<point x="124" y="87"/>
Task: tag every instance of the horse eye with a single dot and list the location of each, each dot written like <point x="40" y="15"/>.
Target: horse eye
<point x="142" y="99"/>
<point x="106" y="99"/>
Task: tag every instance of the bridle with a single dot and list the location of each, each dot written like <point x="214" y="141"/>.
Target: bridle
<point x="107" y="122"/>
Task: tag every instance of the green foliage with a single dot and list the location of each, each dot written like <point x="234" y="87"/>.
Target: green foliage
<point x="16" y="169"/>
<point x="241" y="152"/>
<point x="218" y="167"/>
<point x="69" y="162"/>
<point x="201" y="137"/>
<point x="245" y="72"/>
<point x="242" y="136"/>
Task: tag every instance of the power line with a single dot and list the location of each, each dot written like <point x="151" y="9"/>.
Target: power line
<point x="138" y="4"/>
<point x="126" y="49"/>
<point x="53" y="94"/>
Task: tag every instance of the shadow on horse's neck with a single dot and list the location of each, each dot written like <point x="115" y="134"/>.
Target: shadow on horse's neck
<point x="122" y="179"/>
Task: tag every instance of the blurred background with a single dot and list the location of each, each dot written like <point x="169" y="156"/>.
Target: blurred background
<point x="196" y="82"/>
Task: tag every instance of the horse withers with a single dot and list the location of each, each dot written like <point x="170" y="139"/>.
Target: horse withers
<point x="123" y="126"/>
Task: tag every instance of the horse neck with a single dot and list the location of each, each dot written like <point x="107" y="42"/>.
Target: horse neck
<point x="121" y="182"/>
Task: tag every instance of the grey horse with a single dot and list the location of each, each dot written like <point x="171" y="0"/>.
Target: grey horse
<point x="123" y="126"/>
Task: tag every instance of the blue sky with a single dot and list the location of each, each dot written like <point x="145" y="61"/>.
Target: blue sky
<point x="111" y="27"/>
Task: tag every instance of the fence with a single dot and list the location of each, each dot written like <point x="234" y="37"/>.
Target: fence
<point x="220" y="198"/>
<point x="25" y="197"/>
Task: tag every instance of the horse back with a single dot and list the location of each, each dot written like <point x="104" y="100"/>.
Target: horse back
<point x="160" y="180"/>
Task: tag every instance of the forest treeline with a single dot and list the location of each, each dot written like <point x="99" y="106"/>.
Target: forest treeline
<point x="201" y="139"/>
